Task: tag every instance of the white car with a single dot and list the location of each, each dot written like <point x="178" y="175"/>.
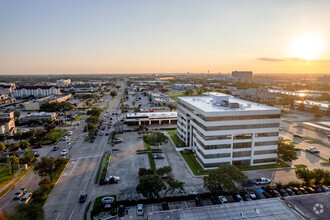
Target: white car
<point x="312" y="150"/>
<point x="139" y="210"/>
<point x="262" y="180"/>
<point x="115" y="178"/>
<point x="64" y="152"/>
<point x="222" y="199"/>
<point x="68" y="140"/>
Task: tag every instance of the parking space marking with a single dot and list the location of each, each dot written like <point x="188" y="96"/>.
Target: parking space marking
<point x="58" y="216"/>
<point x="71" y="214"/>
<point x="69" y="194"/>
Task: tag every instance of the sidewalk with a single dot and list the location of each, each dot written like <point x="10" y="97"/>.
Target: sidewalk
<point x="8" y="184"/>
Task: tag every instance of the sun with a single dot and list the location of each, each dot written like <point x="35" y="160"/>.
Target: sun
<point x="308" y="47"/>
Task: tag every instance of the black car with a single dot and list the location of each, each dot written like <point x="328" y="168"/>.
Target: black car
<point x="55" y="148"/>
<point x="310" y="190"/>
<point x="296" y="190"/>
<point x="165" y="206"/>
<point x="199" y="201"/>
<point x="237" y="197"/>
<point x="36" y="155"/>
<point x="284" y="193"/>
<point x="317" y="188"/>
<point x="214" y="200"/>
<point x="83" y="198"/>
<point x="246" y="197"/>
<point x="303" y="190"/>
<point x="290" y="192"/>
<point x="121" y="211"/>
<point x="275" y="193"/>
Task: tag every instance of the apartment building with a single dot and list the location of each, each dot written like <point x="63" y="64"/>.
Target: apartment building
<point x="36" y="91"/>
<point x="63" y="82"/>
<point x="221" y="129"/>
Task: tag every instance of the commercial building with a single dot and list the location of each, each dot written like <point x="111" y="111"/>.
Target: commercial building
<point x="260" y="94"/>
<point x="63" y="82"/>
<point x="44" y="116"/>
<point x="246" y="75"/>
<point x="151" y="118"/>
<point x="35" y="105"/>
<point x="36" y="91"/>
<point x="7" y="124"/>
<point x="308" y="104"/>
<point x="160" y="99"/>
<point x="221" y="129"/>
<point x="183" y="86"/>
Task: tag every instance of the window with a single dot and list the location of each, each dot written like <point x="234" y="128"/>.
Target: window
<point x="208" y="138"/>
<point x="241" y="163"/>
<point x="265" y="143"/>
<point x="242" y="154"/>
<point x="242" y="117"/>
<point x="242" y="136"/>
<point x="242" y="145"/>
<point x="209" y="165"/>
<point x="213" y="156"/>
<point x="264" y="160"/>
<point x="270" y="134"/>
<point x="260" y="152"/>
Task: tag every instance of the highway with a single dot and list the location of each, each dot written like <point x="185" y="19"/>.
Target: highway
<point x="77" y="178"/>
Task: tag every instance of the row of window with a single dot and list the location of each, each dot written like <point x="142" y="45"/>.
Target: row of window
<point x="260" y="152"/>
<point x="213" y="156"/>
<point x="213" y="147"/>
<point x="269" y="134"/>
<point x="209" y="165"/>
<point x="265" y="143"/>
<point x="236" y="127"/>
<point x="218" y="137"/>
<point x="240" y="117"/>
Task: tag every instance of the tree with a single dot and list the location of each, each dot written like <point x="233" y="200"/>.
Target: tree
<point x="321" y="176"/>
<point x="113" y="93"/>
<point x="164" y="170"/>
<point x="133" y="103"/>
<point x="28" y="156"/>
<point x="93" y="119"/>
<point x="173" y="185"/>
<point x="286" y="152"/>
<point x="224" y="179"/>
<point x="150" y="186"/>
<point x="301" y="106"/>
<point x="50" y="127"/>
<point x="145" y="171"/>
<point x="306" y="175"/>
<point x="13" y="147"/>
<point x="17" y="113"/>
<point x="155" y="138"/>
<point x="95" y="111"/>
<point x="45" y="184"/>
<point x="172" y="106"/>
<point x="28" y="212"/>
<point x="2" y="147"/>
<point x="24" y="145"/>
<point x="48" y="166"/>
<point x="188" y="92"/>
<point x="315" y="109"/>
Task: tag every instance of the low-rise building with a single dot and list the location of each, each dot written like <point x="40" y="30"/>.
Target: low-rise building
<point x="308" y="104"/>
<point x="151" y="118"/>
<point x="178" y="86"/>
<point x="260" y="94"/>
<point x="36" y="91"/>
<point x="7" y="124"/>
<point x="160" y="99"/>
<point x="80" y="89"/>
<point x="221" y="129"/>
<point x="44" y="116"/>
<point x="63" y="82"/>
<point x="35" y="105"/>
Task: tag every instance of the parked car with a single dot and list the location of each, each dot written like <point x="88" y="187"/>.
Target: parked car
<point x="36" y="154"/>
<point x="262" y="180"/>
<point x="283" y="193"/>
<point x="158" y="156"/>
<point x="290" y="192"/>
<point x="83" y="198"/>
<point x="310" y="189"/>
<point x="108" y="200"/>
<point x="118" y="140"/>
<point x="19" y="193"/>
<point x="237" y="197"/>
<point x="165" y="206"/>
<point x="325" y="189"/>
<point x="317" y="188"/>
<point x="55" y="148"/>
<point x="303" y="190"/>
<point x="246" y="196"/>
<point x="222" y="199"/>
<point x="198" y="201"/>
<point x="121" y="211"/>
<point x="26" y="198"/>
<point x="112" y="179"/>
<point x="275" y="193"/>
<point x="312" y="150"/>
<point x="252" y="194"/>
<point x="297" y="136"/>
<point x="139" y="210"/>
<point x="296" y="190"/>
<point x="64" y="152"/>
<point x="296" y="149"/>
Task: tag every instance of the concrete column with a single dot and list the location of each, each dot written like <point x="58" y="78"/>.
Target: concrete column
<point x="149" y="122"/>
<point x="160" y="122"/>
<point x="139" y="122"/>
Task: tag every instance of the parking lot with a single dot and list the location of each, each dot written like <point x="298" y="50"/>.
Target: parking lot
<point x="139" y="99"/>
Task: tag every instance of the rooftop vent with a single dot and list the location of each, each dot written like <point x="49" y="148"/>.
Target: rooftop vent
<point x="218" y="99"/>
<point x="234" y="105"/>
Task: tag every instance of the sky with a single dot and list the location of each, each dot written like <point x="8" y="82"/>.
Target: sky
<point x="157" y="36"/>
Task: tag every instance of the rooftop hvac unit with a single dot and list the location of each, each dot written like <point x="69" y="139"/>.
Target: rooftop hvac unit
<point x="234" y="105"/>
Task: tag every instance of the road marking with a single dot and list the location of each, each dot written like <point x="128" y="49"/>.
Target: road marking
<point x="69" y="194"/>
<point x="58" y="215"/>
<point x="86" y="156"/>
<point x="73" y="167"/>
<point x="71" y="214"/>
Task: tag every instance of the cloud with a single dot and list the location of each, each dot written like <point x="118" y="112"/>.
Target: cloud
<point x="292" y="59"/>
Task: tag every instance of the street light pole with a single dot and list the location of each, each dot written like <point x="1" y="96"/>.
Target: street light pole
<point x="11" y="172"/>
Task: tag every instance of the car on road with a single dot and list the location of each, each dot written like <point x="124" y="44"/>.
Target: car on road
<point x="68" y="140"/>
<point x="101" y="133"/>
<point x="139" y="210"/>
<point x="297" y="136"/>
<point x="222" y="199"/>
<point x="262" y="180"/>
<point x="158" y="156"/>
<point x="112" y="179"/>
<point x="108" y="200"/>
<point x="55" y="148"/>
<point x="64" y="152"/>
<point x="26" y="198"/>
<point x="70" y="133"/>
<point x="312" y="150"/>
<point x="83" y="198"/>
<point x="107" y="133"/>
<point x="19" y="193"/>
<point x="121" y="211"/>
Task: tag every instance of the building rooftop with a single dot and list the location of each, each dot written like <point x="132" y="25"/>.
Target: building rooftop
<point x="218" y="102"/>
<point x="152" y="115"/>
<point x="258" y="210"/>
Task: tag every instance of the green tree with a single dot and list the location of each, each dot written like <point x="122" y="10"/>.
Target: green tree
<point x="150" y="186"/>
<point x="286" y="152"/>
<point x="95" y="111"/>
<point x="50" y="127"/>
<point x="2" y="147"/>
<point x="133" y="103"/>
<point x="45" y="185"/>
<point x="17" y="113"/>
<point x="155" y="138"/>
<point x="321" y="176"/>
<point x="13" y="147"/>
<point x="48" y="166"/>
<point x="29" y="211"/>
<point x="172" y="106"/>
<point x="174" y="185"/>
<point x="24" y="145"/>
<point x="166" y="170"/>
<point x="93" y="119"/>
<point x="113" y="93"/>
<point x="188" y="92"/>
<point x="28" y="156"/>
<point x="305" y="175"/>
<point x="224" y="179"/>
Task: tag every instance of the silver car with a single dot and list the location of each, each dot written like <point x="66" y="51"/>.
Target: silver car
<point x="139" y="210"/>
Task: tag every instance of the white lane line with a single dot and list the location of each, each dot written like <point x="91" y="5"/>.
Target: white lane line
<point x="91" y="173"/>
<point x="71" y="214"/>
<point x="74" y="167"/>
<point x="69" y="194"/>
<point x="58" y="216"/>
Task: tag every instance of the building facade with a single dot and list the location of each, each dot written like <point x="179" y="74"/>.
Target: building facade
<point x="246" y="75"/>
<point x="36" y="91"/>
<point x="63" y="82"/>
<point x="44" y="116"/>
<point x="221" y="129"/>
<point x="7" y="124"/>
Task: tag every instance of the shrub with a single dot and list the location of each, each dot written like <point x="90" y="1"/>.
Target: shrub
<point x="145" y="171"/>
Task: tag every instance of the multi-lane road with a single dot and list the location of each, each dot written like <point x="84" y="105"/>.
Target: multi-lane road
<point x="77" y="178"/>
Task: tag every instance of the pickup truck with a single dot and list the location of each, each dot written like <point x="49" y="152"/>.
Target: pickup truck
<point x="262" y="180"/>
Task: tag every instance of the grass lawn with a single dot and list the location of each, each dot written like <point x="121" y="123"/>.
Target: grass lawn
<point x="152" y="162"/>
<point x="57" y="134"/>
<point x="326" y="163"/>
<point x="78" y="117"/>
<point x="173" y="136"/>
<point x="175" y="96"/>
<point x="5" y="174"/>
<point x="106" y="108"/>
<point x="99" y="170"/>
<point x="300" y="165"/>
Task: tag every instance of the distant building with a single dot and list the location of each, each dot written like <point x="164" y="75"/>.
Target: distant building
<point x="36" y="91"/>
<point x="323" y="106"/>
<point x="260" y="94"/>
<point x="7" y="124"/>
<point x="245" y="75"/>
<point x="44" y="116"/>
<point x="7" y="89"/>
<point x="183" y="86"/>
<point x="35" y="105"/>
<point x="63" y="82"/>
<point x="222" y="129"/>
<point x="324" y="79"/>
<point x="151" y="118"/>
<point x="160" y="99"/>
<point x="81" y="89"/>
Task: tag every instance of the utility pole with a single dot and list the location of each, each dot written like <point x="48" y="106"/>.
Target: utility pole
<point x="11" y="171"/>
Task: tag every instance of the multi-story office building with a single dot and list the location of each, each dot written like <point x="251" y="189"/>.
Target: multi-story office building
<point x="221" y="129"/>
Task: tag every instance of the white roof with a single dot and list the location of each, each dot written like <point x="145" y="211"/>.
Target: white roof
<point x="205" y="103"/>
<point x="172" y="114"/>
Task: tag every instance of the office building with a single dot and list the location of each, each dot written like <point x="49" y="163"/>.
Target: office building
<point x="221" y="129"/>
<point x="63" y="82"/>
<point x="246" y="75"/>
